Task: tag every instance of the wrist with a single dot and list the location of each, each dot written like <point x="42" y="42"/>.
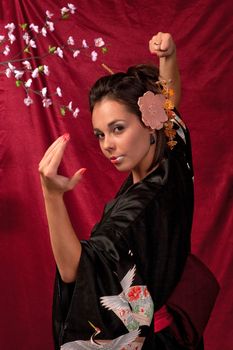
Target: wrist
<point x="52" y="195"/>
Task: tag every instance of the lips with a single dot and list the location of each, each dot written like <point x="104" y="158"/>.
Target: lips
<point x="116" y="160"/>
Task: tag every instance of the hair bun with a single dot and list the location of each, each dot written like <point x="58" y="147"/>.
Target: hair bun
<point x="146" y="74"/>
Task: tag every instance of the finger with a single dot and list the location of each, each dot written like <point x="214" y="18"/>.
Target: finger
<point x="51" y="150"/>
<point x="56" y="157"/>
<point x="166" y="42"/>
<point x="155" y="42"/>
<point x="76" y="178"/>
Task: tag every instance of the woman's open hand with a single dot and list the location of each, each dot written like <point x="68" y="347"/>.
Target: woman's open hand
<point x="52" y="182"/>
<point x="162" y="45"/>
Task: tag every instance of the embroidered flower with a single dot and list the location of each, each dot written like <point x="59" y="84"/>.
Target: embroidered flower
<point x="72" y="8"/>
<point x="58" y="91"/>
<point x="59" y="52"/>
<point x="44" y="91"/>
<point x="94" y="56"/>
<point x="146" y="293"/>
<point x="46" y="70"/>
<point x="76" y="112"/>
<point x="35" y="73"/>
<point x="2" y="37"/>
<point x="34" y="27"/>
<point x="134" y="293"/>
<point x="6" y="50"/>
<point x="49" y="14"/>
<point x="28" y="101"/>
<point x="11" y="37"/>
<point x="76" y="53"/>
<point x="46" y="102"/>
<point x="50" y="25"/>
<point x="99" y="42"/>
<point x="27" y="64"/>
<point x="152" y="109"/>
<point x="28" y="83"/>
<point x="18" y="74"/>
<point x="70" y="40"/>
<point x="44" y="31"/>
<point x="84" y="44"/>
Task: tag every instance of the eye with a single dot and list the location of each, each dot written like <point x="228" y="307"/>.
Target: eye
<point x="118" y="129"/>
<point x="99" y="135"/>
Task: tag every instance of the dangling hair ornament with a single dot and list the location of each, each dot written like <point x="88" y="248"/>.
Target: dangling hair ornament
<point x="157" y="111"/>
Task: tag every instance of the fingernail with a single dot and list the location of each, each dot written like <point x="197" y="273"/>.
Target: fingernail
<point x="66" y="137"/>
<point x="82" y="171"/>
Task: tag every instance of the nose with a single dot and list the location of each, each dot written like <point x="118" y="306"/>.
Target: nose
<point x="108" y="143"/>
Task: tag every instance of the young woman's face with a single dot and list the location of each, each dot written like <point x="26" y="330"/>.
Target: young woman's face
<point x="122" y="138"/>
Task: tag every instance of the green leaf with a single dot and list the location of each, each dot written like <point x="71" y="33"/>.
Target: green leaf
<point x="52" y="49"/>
<point x="18" y="83"/>
<point x="24" y="26"/>
<point x="104" y="50"/>
<point x="26" y="50"/>
<point x="41" y="68"/>
<point x="63" y="111"/>
<point x="65" y="16"/>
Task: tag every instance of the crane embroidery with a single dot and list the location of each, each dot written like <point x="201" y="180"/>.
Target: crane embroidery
<point x="134" y="305"/>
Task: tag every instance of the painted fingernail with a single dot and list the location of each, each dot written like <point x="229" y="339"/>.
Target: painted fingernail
<point x="82" y="171"/>
<point x="66" y="137"/>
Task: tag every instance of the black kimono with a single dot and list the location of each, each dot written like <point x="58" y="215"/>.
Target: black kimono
<point x="132" y="262"/>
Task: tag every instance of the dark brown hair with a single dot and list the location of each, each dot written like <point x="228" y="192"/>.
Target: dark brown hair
<point x="126" y="88"/>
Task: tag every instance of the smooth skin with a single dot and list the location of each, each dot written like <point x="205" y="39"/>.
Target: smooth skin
<point x="65" y="244"/>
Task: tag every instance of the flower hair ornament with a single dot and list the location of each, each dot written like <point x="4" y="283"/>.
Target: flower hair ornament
<point x="157" y="111"/>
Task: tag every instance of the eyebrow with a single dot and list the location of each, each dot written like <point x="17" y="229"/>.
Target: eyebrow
<point x="111" y="123"/>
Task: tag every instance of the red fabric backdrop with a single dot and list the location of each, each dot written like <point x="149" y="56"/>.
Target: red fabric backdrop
<point x="203" y="33"/>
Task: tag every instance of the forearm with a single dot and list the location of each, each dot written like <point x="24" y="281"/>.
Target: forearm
<point x="65" y="245"/>
<point x="169" y="71"/>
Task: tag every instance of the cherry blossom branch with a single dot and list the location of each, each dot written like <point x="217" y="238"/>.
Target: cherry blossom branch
<point x="30" y="37"/>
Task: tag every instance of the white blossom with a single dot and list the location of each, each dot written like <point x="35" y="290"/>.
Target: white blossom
<point x="10" y="27"/>
<point x="18" y="74"/>
<point x="44" y="31"/>
<point x="11" y="37"/>
<point x="49" y="14"/>
<point x="26" y="38"/>
<point x="2" y="37"/>
<point x="28" y="101"/>
<point x="46" y="102"/>
<point x="50" y="25"/>
<point x="64" y="10"/>
<point x="28" y="83"/>
<point x="94" y="55"/>
<point x="58" y="91"/>
<point x="59" y="52"/>
<point x="46" y="70"/>
<point x="76" y="53"/>
<point x="35" y="73"/>
<point x="34" y="27"/>
<point x="27" y="64"/>
<point x="32" y="43"/>
<point x="72" y="8"/>
<point x="70" y="40"/>
<point x="84" y="44"/>
<point x="12" y="68"/>
<point x="70" y="106"/>
<point x="76" y="112"/>
<point x="99" y="42"/>
<point x="8" y="72"/>
<point x="6" y="50"/>
<point x="44" y="91"/>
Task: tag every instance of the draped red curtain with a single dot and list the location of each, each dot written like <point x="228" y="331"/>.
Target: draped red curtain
<point x="203" y="33"/>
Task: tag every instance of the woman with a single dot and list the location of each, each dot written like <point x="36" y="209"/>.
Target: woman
<point x="111" y="291"/>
